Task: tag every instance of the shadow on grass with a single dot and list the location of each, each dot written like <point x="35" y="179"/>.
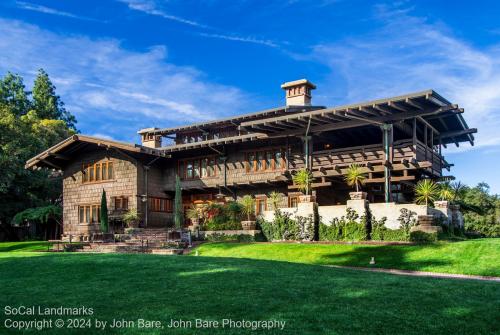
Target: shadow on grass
<point x="311" y="299"/>
<point x="23" y="246"/>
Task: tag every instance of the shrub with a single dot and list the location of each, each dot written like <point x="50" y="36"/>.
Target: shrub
<point x="422" y="237"/>
<point x="227" y="238"/>
<point x="222" y="217"/>
<point x="284" y="228"/>
<point x="344" y="229"/>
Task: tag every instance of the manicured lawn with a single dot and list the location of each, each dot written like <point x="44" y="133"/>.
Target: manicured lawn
<point x="474" y="257"/>
<point x="23" y="246"/>
<point x="311" y="299"/>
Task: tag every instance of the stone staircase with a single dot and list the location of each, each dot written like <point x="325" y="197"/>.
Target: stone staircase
<point x="150" y="240"/>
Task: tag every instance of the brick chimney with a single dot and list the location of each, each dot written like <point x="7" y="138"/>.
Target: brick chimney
<point x="298" y="92"/>
<point x="149" y="138"/>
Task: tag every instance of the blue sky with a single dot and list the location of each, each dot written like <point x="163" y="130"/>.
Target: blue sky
<point x="123" y="65"/>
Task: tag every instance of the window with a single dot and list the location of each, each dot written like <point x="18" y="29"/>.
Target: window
<point x="197" y="168"/>
<point x="260" y="206"/>
<point x="160" y="205"/>
<point x="293" y="201"/>
<point x="121" y="203"/>
<point x="95" y="172"/>
<point x="89" y="213"/>
<point x="269" y="160"/>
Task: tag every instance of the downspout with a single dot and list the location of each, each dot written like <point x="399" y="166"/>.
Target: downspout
<point x="308" y="159"/>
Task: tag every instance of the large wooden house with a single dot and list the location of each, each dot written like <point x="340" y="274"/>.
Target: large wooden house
<point x="396" y="140"/>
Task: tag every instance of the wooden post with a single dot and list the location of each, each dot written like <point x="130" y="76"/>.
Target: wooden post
<point x="426" y="140"/>
<point x="388" y="156"/>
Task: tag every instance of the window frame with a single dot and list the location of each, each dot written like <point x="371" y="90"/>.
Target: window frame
<point x="86" y="213"/>
<point x="257" y="160"/>
<point x="195" y="172"/>
<point x="160" y="205"/>
<point x="92" y="172"/>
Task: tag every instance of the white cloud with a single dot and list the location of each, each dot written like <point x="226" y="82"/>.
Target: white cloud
<point x="51" y="11"/>
<point x="111" y="89"/>
<point x="410" y="54"/>
<point x="150" y="7"/>
<point x="254" y="40"/>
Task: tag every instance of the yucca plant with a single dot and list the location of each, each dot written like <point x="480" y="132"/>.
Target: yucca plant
<point x="303" y="179"/>
<point x="275" y="199"/>
<point x="426" y="191"/>
<point x="247" y="206"/>
<point x="445" y="192"/>
<point x="355" y="176"/>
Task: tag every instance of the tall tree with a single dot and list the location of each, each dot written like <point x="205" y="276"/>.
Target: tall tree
<point x="47" y="103"/>
<point x="104" y="213"/>
<point x="23" y="134"/>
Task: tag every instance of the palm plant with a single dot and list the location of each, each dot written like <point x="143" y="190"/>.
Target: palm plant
<point x="355" y="176"/>
<point x="248" y="206"/>
<point x="275" y="199"/>
<point x="458" y="190"/>
<point x="303" y="179"/>
<point x="131" y="217"/>
<point x="426" y="191"/>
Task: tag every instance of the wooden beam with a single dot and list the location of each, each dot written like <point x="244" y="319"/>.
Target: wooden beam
<point x="459" y="133"/>
<point x="393" y="179"/>
<point x="337" y="171"/>
<point x="313" y="185"/>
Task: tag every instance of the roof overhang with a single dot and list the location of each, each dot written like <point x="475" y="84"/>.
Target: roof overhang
<point x="443" y="117"/>
<point x="58" y="155"/>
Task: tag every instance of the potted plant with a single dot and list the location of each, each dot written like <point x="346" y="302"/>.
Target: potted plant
<point x="193" y="214"/>
<point x="131" y="218"/>
<point x="303" y="179"/>
<point x="426" y="191"/>
<point x="355" y="177"/>
<point x="248" y="209"/>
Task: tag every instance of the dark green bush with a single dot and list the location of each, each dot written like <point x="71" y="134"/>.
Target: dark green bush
<point x="344" y="229"/>
<point x="222" y="217"/>
<point x="227" y="238"/>
<point x="422" y="237"/>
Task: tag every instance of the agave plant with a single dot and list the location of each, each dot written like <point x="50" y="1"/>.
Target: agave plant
<point x="355" y="176"/>
<point x="303" y="179"/>
<point x="426" y="191"/>
<point x="275" y="199"/>
<point x="248" y="206"/>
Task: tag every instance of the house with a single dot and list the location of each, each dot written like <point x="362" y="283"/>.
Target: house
<point x="396" y="140"/>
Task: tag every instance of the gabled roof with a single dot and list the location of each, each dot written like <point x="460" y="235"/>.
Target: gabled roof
<point x="58" y="154"/>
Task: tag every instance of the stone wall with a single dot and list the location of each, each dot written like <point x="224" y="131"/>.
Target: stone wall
<point x="391" y="211"/>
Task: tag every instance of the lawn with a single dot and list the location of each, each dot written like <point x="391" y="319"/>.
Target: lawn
<point x="311" y="299"/>
<point x="23" y="246"/>
<point x="473" y="257"/>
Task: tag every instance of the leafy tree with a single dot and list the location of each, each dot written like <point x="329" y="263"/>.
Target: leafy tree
<point x="481" y="210"/>
<point x="104" y="213"/>
<point x="23" y="134"/>
<point x="47" y="103"/>
<point x="354" y="176"/>
<point x="178" y="212"/>
<point x="426" y="191"/>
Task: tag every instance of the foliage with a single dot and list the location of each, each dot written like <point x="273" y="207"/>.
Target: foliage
<point x="193" y="212"/>
<point x="481" y="210"/>
<point x="407" y="219"/>
<point x="426" y="191"/>
<point x="221" y="216"/>
<point x="275" y="199"/>
<point x="303" y="179"/>
<point x="347" y="228"/>
<point x="104" y="213"/>
<point x="248" y="206"/>
<point x="38" y="214"/>
<point x="27" y="129"/>
<point x="131" y="216"/>
<point x="178" y="210"/>
<point x="284" y="228"/>
<point x="446" y="192"/>
<point x="354" y="176"/>
<point x="242" y="238"/>
<point x="423" y="237"/>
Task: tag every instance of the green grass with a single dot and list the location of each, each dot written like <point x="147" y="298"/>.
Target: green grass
<point x="473" y="257"/>
<point x="23" y="246"/>
<point x="311" y="299"/>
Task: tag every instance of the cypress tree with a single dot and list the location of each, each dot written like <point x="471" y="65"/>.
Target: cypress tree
<point x="104" y="213"/>
<point x="178" y="212"/>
